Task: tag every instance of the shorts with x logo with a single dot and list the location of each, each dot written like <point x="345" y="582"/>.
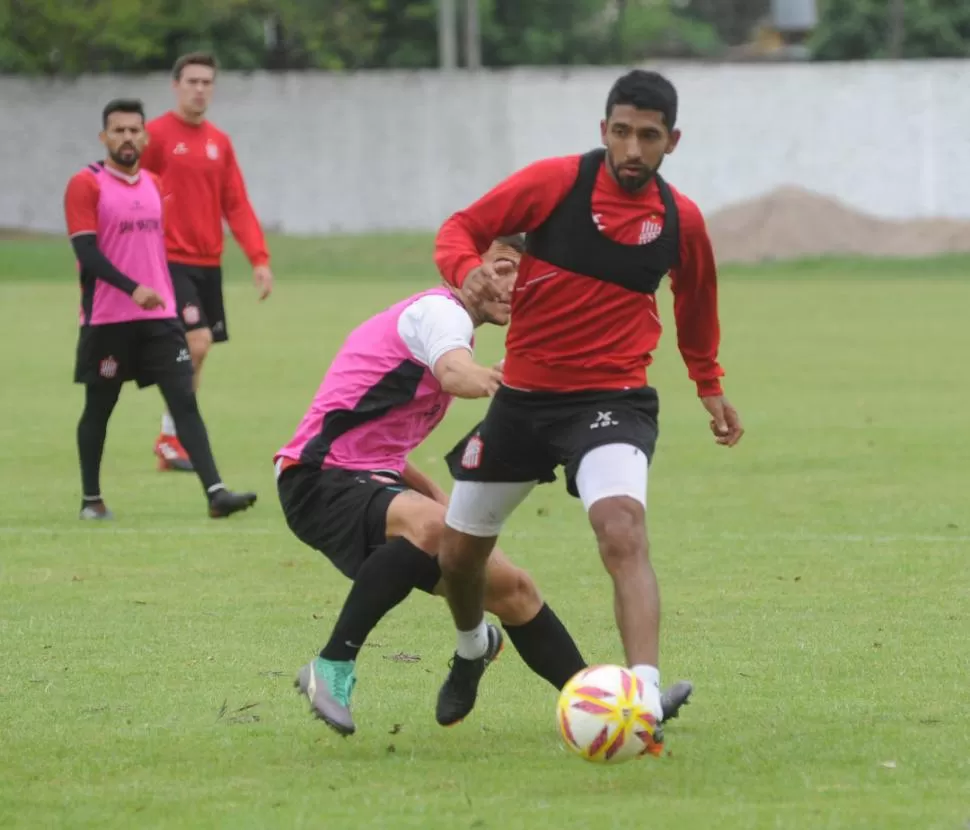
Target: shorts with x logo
<point x="526" y="435"/>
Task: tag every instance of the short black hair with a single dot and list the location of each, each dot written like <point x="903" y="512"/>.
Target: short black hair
<point x="645" y="90"/>
<point x="515" y="241"/>
<point x="194" y="59"/>
<point x="132" y="105"/>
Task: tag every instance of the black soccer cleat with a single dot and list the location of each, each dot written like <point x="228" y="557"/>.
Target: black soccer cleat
<point x="224" y="503"/>
<point x="460" y="689"/>
<point x="674" y="697"/>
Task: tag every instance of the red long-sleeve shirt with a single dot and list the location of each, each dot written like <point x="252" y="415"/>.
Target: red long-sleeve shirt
<point x="572" y="332"/>
<point x="202" y="183"/>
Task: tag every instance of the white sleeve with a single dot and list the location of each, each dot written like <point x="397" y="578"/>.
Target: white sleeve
<point x="434" y="325"/>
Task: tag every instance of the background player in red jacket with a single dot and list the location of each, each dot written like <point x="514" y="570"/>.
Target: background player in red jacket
<point x="202" y="185"/>
<point x="602" y="231"/>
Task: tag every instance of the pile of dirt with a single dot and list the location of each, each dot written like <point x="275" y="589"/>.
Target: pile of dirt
<point x="793" y="223"/>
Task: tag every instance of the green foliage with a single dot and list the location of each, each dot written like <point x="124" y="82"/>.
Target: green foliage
<point x="654" y="27"/>
<point x="861" y="29"/>
<point x="65" y="37"/>
<point x="89" y="35"/>
<point x="580" y="32"/>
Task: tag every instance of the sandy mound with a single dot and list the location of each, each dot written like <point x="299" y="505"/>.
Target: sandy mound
<point x="792" y="223"/>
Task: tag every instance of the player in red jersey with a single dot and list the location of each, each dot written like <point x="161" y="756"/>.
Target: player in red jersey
<point x="602" y="231"/>
<point x="202" y="184"/>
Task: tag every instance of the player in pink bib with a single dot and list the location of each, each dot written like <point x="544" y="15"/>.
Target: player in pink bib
<point x="129" y="329"/>
<point x="348" y="489"/>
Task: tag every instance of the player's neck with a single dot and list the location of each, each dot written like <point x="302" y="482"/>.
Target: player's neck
<point x="126" y="172"/>
<point x="193" y="118"/>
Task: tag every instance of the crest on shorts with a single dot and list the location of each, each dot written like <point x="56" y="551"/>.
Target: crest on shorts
<point x="108" y="367"/>
<point x="191" y="315"/>
<point x="651" y="229"/>
<point x="472" y="457"/>
<point x="212" y="150"/>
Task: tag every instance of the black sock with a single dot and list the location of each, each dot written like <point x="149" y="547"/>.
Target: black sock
<point x="384" y="581"/>
<point x="184" y="409"/>
<point x="547" y="647"/>
<point x="99" y="403"/>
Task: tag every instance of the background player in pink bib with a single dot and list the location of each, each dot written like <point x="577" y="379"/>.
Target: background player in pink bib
<point x="128" y="328"/>
<point x="348" y="489"/>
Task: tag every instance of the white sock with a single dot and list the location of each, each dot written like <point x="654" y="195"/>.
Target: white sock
<point x="473" y="644"/>
<point x="168" y="426"/>
<point x="650" y="675"/>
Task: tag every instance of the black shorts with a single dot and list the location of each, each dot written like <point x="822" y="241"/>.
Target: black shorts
<point x="198" y="296"/>
<point x="526" y="435"/>
<point x="146" y="351"/>
<point x="341" y="513"/>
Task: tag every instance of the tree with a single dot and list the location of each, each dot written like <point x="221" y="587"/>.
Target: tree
<point x="653" y="28"/>
<point x="864" y="29"/>
<point x="52" y="36"/>
<point x="74" y="36"/>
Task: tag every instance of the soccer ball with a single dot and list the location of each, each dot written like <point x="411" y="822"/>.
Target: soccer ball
<point x="602" y="716"/>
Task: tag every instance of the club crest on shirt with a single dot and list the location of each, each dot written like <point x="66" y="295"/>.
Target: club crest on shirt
<point x="212" y="150"/>
<point x="651" y="229"/>
<point x="472" y="457"/>
<point x="108" y="367"/>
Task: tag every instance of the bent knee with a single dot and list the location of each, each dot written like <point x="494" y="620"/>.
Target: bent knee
<point x="418" y="519"/>
<point x="620" y="528"/>
<point x="512" y="596"/>
<point x="199" y="341"/>
<point x="426" y="533"/>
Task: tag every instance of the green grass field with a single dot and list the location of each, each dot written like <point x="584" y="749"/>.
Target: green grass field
<point x="815" y="580"/>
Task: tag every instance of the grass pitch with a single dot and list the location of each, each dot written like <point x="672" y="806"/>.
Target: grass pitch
<point x="815" y="579"/>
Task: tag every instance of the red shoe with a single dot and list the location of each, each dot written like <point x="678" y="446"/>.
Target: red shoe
<point x="172" y="455"/>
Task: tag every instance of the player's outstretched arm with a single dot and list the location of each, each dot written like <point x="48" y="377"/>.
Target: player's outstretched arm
<point x="519" y="204"/>
<point x="461" y="376"/>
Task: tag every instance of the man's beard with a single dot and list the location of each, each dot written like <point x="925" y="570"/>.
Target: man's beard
<point x="125" y="156"/>
<point x="633" y="184"/>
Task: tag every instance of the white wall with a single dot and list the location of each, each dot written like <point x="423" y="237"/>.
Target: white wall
<point x="324" y="152"/>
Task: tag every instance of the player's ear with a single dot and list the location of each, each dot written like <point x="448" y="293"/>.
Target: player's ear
<point x="603" y="131"/>
<point x="103" y="137"/>
<point x="673" y="141"/>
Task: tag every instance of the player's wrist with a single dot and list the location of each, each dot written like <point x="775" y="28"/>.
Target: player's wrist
<point x="709" y="388"/>
<point x="464" y="270"/>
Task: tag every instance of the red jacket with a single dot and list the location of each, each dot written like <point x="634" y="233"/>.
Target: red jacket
<point x="569" y="331"/>
<point x="202" y="183"/>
